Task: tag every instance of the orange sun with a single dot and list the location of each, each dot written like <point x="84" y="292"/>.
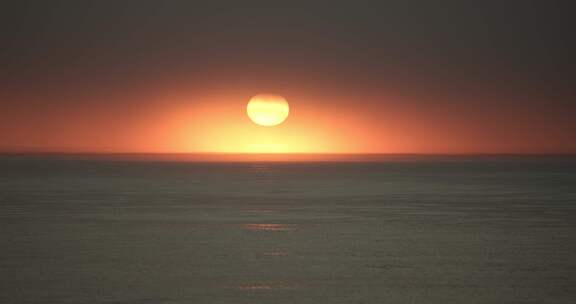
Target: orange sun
<point x="268" y="109"/>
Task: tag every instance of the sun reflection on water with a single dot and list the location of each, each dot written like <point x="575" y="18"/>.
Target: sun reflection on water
<point x="267" y="286"/>
<point x="276" y="253"/>
<point x="269" y="227"/>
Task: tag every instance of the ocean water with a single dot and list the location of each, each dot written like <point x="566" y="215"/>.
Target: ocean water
<point x="393" y="230"/>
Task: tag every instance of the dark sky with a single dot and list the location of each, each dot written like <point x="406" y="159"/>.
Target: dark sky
<point x="475" y="58"/>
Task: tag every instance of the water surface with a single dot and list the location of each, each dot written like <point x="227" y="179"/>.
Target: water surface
<point x="397" y="230"/>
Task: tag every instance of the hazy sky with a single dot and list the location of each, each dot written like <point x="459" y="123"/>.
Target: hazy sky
<point x="382" y="76"/>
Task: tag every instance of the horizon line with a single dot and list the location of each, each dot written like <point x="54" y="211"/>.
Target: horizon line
<point x="60" y="152"/>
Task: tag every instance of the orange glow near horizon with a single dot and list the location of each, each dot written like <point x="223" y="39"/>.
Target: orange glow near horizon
<point x="223" y="127"/>
<point x="214" y="120"/>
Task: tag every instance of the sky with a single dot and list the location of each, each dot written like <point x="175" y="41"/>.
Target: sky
<point x="366" y="77"/>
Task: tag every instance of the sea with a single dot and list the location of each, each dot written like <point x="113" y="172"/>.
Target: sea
<point x="158" y="229"/>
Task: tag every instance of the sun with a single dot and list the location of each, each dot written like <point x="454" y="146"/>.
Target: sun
<point x="268" y="109"/>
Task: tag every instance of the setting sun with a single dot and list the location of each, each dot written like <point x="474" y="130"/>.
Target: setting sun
<point x="267" y="109"/>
